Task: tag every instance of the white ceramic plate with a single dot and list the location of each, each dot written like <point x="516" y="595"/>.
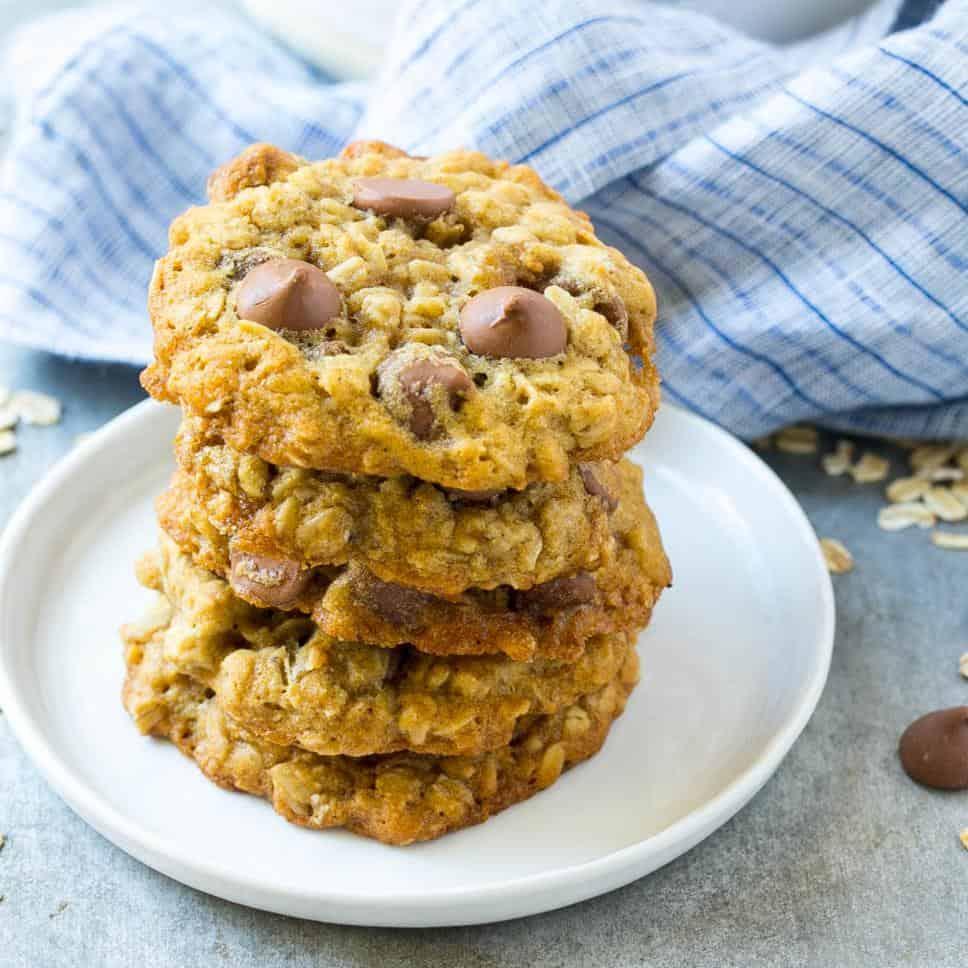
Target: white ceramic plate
<point x="734" y="664"/>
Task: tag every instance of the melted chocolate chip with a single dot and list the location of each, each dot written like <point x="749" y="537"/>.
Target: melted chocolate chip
<point x="402" y="197"/>
<point x="288" y="294"/>
<point x="418" y="382"/>
<point x="394" y="603"/>
<point x="934" y="749"/>
<point x="559" y="593"/>
<point x="513" y="322"/>
<point x="595" y="487"/>
<point x="272" y="582"/>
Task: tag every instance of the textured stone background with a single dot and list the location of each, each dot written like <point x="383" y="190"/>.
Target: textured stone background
<point x="840" y="860"/>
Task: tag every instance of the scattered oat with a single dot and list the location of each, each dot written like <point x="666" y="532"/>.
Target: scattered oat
<point x="963" y="665"/>
<point x="839" y="559"/>
<point x="960" y="490"/>
<point x="897" y="517"/>
<point x="762" y="443"/>
<point x="941" y="502"/>
<point x="838" y="461"/>
<point x="39" y="409"/>
<point x="906" y="489"/>
<point x="928" y="457"/>
<point x="3" y="841"/>
<point x="961" y="458"/>
<point x="964" y="838"/>
<point x="951" y="540"/>
<point x="798" y="439"/>
<point x="8" y="416"/>
<point x="8" y="442"/>
<point x="870" y="468"/>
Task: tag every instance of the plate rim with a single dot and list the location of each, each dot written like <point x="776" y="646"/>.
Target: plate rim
<point x="542" y="891"/>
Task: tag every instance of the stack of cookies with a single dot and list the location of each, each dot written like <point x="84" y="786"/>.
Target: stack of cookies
<point x="403" y="564"/>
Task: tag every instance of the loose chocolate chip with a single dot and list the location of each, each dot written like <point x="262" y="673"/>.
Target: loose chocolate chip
<point x="595" y="487"/>
<point x="394" y="603"/>
<point x="287" y="294"/>
<point x="402" y="197"/>
<point x="934" y="749"/>
<point x="418" y="382"/>
<point x="511" y="321"/>
<point x="578" y="589"/>
<point x="473" y="497"/>
<point x="272" y="582"/>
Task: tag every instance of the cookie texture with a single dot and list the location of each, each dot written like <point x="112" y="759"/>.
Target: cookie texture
<point x="286" y="682"/>
<point x="422" y="371"/>
<point x="553" y="619"/>
<point x="401" y="529"/>
<point x="399" y="798"/>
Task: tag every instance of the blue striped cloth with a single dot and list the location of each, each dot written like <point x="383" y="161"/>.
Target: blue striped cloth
<point x="804" y="226"/>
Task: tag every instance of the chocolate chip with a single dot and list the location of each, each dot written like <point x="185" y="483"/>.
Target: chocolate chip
<point x="511" y="321"/>
<point x="595" y="487"/>
<point x="419" y="382"/>
<point x="934" y="749"/>
<point x="613" y="309"/>
<point x="567" y="592"/>
<point x="271" y="582"/>
<point x="394" y="603"/>
<point x="287" y="294"/>
<point x="402" y="197"/>
<point x="459" y="496"/>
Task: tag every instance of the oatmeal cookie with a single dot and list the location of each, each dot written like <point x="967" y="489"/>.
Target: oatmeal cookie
<point x="286" y="682"/>
<point x="553" y="619"/>
<point x="401" y="529"/>
<point x="448" y="318"/>
<point x="399" y="798"/>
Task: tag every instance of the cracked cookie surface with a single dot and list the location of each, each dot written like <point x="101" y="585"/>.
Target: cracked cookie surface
<point x="560" y="370"/>
<point x="399" y="798"/>
<point x="285" y="682"/>
<point x="401" y="529"/>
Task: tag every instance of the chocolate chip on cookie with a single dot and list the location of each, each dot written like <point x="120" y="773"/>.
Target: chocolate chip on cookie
<point x="595" y="487"/>
<point x="288" y="294"/>
<point x="513" y="322"/>
<point x="419" y="382"/>
<point x="272" y="582"/>
<point x="402" y="197"/>
<point x="394" y="603"/>
<point x="567" y="592"/>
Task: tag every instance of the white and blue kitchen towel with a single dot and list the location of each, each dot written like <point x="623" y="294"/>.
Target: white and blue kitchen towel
<point x="805" y="228"/>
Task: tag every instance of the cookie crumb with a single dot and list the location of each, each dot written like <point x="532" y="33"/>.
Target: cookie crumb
<point x="839" y="559"/>
<point x="8" y="442"/>
<point x="870" y="469"/>
<point x="799" y="439"/>
<point x="39" y="409"/>
<point x="60" y="909"/>
<point x="963" y="665"/>
<point x="964" y="838"/>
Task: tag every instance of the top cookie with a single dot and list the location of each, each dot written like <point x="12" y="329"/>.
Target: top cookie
<point x="450" y="318"/>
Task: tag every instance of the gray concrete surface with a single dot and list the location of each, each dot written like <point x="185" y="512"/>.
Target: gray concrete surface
<point x="840" y="861"/>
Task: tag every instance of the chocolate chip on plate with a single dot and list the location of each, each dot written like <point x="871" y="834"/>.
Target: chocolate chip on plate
<point x="272" y="582"/>
<point x="934" y="749"/>
<point x="565" y="592"/>
<point x="287" y="294"/>
<point x="511" y="321"/>
<point x="418" y="382"/>
<point x="402" y="197"/>
<point x="595" y="487"/>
